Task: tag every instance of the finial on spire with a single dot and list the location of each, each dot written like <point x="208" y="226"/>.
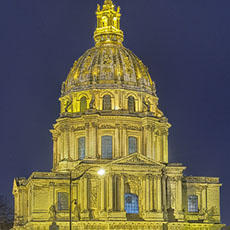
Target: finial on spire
<point x="108" y="24"/>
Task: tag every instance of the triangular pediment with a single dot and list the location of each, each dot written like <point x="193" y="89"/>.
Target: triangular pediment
<point x="136" y="159"/>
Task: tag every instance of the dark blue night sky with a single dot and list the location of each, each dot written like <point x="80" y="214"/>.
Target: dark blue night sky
<point x="185" y="44"/>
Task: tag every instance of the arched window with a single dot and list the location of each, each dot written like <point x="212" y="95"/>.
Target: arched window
<point x="193" y="203"/>
<point x="106" y="147"/>
<point x="132" y="145"/>
<point x="131" y="203"/>
<point x="83" y="104"/>
<point x="131" y="104"/>
<point x="63" y="201"/>
<point x="81" y="148"/>
<point x="106" y="102"/>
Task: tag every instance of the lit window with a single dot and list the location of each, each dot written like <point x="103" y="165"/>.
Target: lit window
<point x="193" y="203"/>
<point x="132" y="145"/>
<point x="131" y="104"/>
<point x="63" y="200"/>
<point x="83" y="104"/>
<point x="106" y="147"/>
<point x="106" y="102"/>
<point x="81" y="148"/>
<point x="131" y="203"/>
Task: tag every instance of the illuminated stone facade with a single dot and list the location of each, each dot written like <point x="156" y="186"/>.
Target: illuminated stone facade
<point x="110" y="120"/>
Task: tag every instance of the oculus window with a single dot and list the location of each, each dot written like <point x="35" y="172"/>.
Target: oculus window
<point x="106" y="147"/>
<point x="81" y="148"/>
<point x="107" y="102"/>
<point x="131" y="203"/>
<point x="63" y="200"/>
<point x="83" y="104"/>
<point x="131" y="104"/>
<point x="132" y="145"/>
<point x="193" y="203"/>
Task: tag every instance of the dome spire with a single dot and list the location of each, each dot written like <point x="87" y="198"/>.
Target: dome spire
<point x="108" y="24"/>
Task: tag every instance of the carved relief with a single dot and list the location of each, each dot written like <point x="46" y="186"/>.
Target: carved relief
<point x="93" y="195"/>
<point x="107" y="127"/>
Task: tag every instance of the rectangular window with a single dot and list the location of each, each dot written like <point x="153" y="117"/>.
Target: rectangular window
<point x="81" y="148"/>
<point x="193" y="204"/>
<point x="106" y="147"/>
<point x="63" y="201"/>
<point x="132" y="145"/>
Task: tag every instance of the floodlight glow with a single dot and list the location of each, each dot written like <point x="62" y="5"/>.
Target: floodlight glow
<point x="101" y="172"/>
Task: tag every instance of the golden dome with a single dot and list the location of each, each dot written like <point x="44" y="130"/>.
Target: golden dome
<point x="109" y="64"/>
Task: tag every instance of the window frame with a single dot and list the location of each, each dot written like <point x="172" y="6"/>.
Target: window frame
<point x="78" y="154"/>
<point x="104" y="105"/>
<point x="83" y="97"/>
<point x="129" y="137"/>
<point x="58" y="207"/>
<point x="111" y="136"/>
<point x="136" y="208"/>
<point x="193" y="208"/>
<point x="133" y="110"/>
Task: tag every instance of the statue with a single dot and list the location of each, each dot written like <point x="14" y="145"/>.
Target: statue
<point x="67" y="105"/>
<point x="146" y="105"/>
<point x="62" y="88"/>
<point x="77" y="210"/>
<point x="92" y="103"/>
<point x="98" y="7"/>
<point x="52" y="212"/>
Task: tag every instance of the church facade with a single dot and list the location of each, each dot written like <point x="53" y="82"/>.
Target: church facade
<point x="110" y="123"/>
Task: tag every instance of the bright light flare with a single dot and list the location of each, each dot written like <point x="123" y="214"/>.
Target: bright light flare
<point x="101" y="172"/>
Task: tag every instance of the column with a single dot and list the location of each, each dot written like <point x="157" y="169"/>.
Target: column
<point x="147" y="194"/>
<point x="87" y="141"/>
<point x="92" y="143"/>
<point x="66" y="143"/>
<point x="102" y="194"/>
<point x="179" y="194"/>
<point x="117" y="143"/>
<point x="155" y="193"/>
<point x="159" y="197"/>
<point x="72" y="144"/>
<point x="148" y="142"/>
<point x="54" y="151"/>
<point x="143" y="141"/>
<point x="124" y="138"/>
<point x="159" y="147"/>
<point x="204" y="198"/>
<point x="164" y="193"/>
<point x="144" y="194"/>
<point x="165" y="147"/>
<point x="153" y="154"/>
<point x="85" y="195"/>
<point x="122" y="193"/>
<point x="151" y="193"/>
<point x="110" y="192"/>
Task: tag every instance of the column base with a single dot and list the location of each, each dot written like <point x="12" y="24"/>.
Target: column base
<point x="113" y="215"/>
<point x="84" y="215"/>
<point x="156" y="216"/>
<point x="179" y="216"/>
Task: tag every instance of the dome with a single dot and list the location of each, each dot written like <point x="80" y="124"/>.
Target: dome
<point x="109" y="64"/>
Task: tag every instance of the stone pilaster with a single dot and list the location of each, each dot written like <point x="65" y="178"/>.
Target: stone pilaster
<point x="117" y="141"/>
<point x="165" y="146"/>
<point x="92" y="140"/>
<point x="159" y="194"/>
<point x="122" y="193"/>
<point x="87" y="141"/>
<point x="102" y="194"/>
